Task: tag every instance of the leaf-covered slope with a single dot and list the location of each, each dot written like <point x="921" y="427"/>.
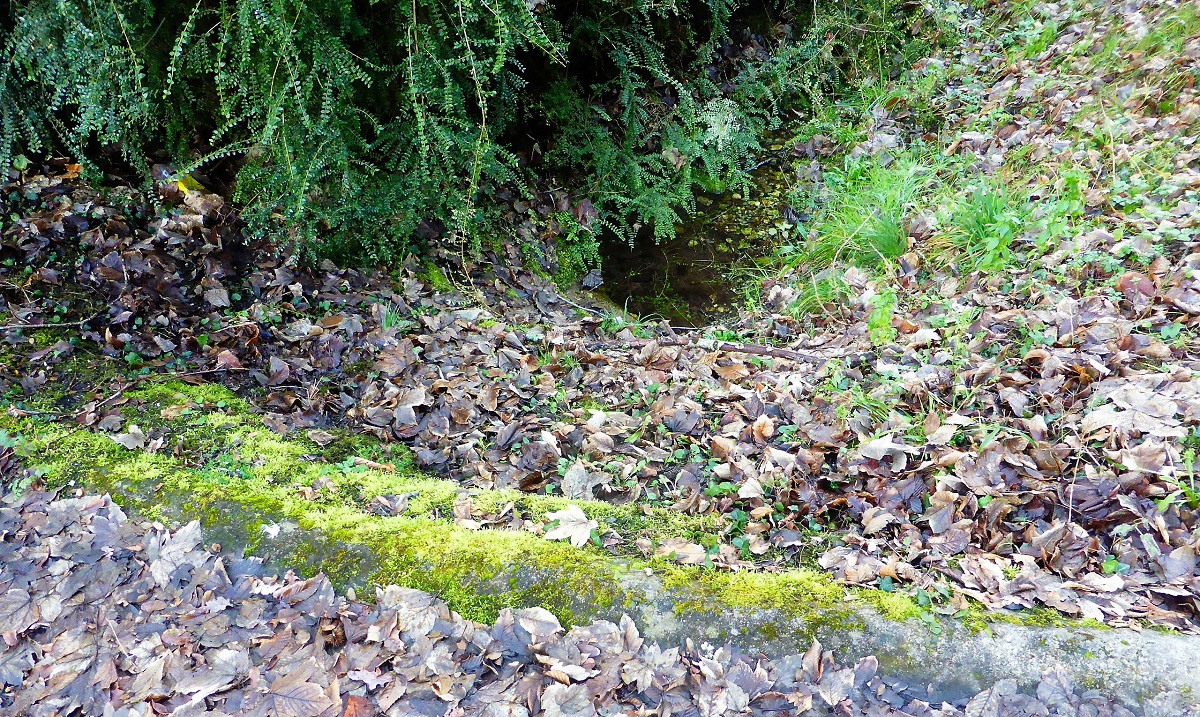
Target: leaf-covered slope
<point x="972" y="379"/>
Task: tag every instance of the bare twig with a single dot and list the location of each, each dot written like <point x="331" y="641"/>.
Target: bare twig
<point x="725" y="346"/>
<point x="594" y="312"/>
<point x="25" y="412"/>
<point x="201" y="372"/>
<point x="81" y="322"/>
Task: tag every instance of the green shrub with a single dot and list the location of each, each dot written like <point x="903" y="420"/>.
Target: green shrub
<point x="577" y="250"/>
<point x="346" y="126"/>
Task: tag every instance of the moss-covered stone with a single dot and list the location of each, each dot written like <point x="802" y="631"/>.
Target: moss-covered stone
<point x="306" y="507"/>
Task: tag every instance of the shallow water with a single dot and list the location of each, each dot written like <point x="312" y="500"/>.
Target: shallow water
<point x="700" y="277"/>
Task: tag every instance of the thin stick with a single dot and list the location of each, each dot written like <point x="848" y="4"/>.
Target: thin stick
<point x="722" y="346"/>
<point x="81" y="322"/>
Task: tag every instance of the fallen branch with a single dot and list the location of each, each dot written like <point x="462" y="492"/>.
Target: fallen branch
<point x="712" y="345"/>
<point x="17" y="327"/>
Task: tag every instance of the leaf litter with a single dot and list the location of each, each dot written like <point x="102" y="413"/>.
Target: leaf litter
<point x="101" y="614"/>
<point x="1029" y="443"/>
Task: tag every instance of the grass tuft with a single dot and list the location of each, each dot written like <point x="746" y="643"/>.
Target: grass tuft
<point x="863" y="223"/>
<point x="982" y="228"/>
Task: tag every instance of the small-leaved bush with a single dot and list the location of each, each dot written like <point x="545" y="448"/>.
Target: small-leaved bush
<point x="576" y="248"/>
<point x="351" y="128"/>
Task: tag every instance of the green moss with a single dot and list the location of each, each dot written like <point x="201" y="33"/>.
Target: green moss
<point x="159" y="395"/>
<point x="479" y="573"/>
<point x="893" y="606"/>
<point x="807" y="602"/>
<point x="801" y="593"/>
<point x="436" y="278"/>
<point x="629" y="521"/>
<point x="44" y="337"/>
<point x="237" y="477"/>
<point x="222" y="435"/>
<point x="1039" y="617"/>
<point x="259" y="473"/>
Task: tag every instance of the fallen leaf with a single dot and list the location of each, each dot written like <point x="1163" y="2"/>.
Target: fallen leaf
<point x="133" y="439"/>
<point x="572" y="524"/>
<point x="321" y="438"/>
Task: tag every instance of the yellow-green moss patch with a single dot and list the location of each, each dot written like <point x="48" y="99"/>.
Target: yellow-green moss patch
<point x="220" y="464"/>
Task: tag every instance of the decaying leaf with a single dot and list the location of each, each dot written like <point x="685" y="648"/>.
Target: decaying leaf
<point x="572" y="525"/>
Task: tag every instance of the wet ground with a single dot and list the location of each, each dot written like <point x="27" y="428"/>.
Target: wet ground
<point x="702" y="276"/>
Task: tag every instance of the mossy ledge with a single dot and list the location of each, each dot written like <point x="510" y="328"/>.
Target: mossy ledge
<point x="305" y="507"/>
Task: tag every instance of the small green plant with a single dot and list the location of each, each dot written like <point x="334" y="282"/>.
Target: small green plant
<point x="1112" y="566"/>
<point x="879" y="323"/>
<point x="723" y="334"/>
<point x="226" y="467"/>
<point x="848" y="396"/>
<point x="393" y="318"/>
<point x="617" y="321"/>
<point x="984" y="226"/>
<point x="22" y="449"/>
<point x="864" y="223"/>
<point x="719" y="489"/>
<point x="577" y="250"/>
<point x="820" y="293"/>
<point x="1059" y="215"/>
<point x="1185" y="489"/>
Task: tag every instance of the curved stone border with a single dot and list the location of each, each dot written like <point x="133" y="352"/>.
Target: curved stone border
<point x="1134" y="667"/>
<point x="481" y="572"/>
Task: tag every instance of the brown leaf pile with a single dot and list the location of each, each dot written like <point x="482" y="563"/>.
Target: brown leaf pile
<point x="102" y="615"/>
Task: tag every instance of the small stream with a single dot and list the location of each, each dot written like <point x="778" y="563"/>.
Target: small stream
<point x="702" y="275"/>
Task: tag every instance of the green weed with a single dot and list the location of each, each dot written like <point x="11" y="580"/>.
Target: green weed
<point x="879" y="323"/>
<point x="863" y="223"/>
<point x="819" y="293"/>
<point x="617" y="321"/>
<point x="983" y="226"/>
<point x="394" y="319"/>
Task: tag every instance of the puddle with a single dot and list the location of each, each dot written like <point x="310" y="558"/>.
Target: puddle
<point x="702" y="275"/>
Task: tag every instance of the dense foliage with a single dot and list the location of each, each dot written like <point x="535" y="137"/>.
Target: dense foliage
<point x="352" y="125"/>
